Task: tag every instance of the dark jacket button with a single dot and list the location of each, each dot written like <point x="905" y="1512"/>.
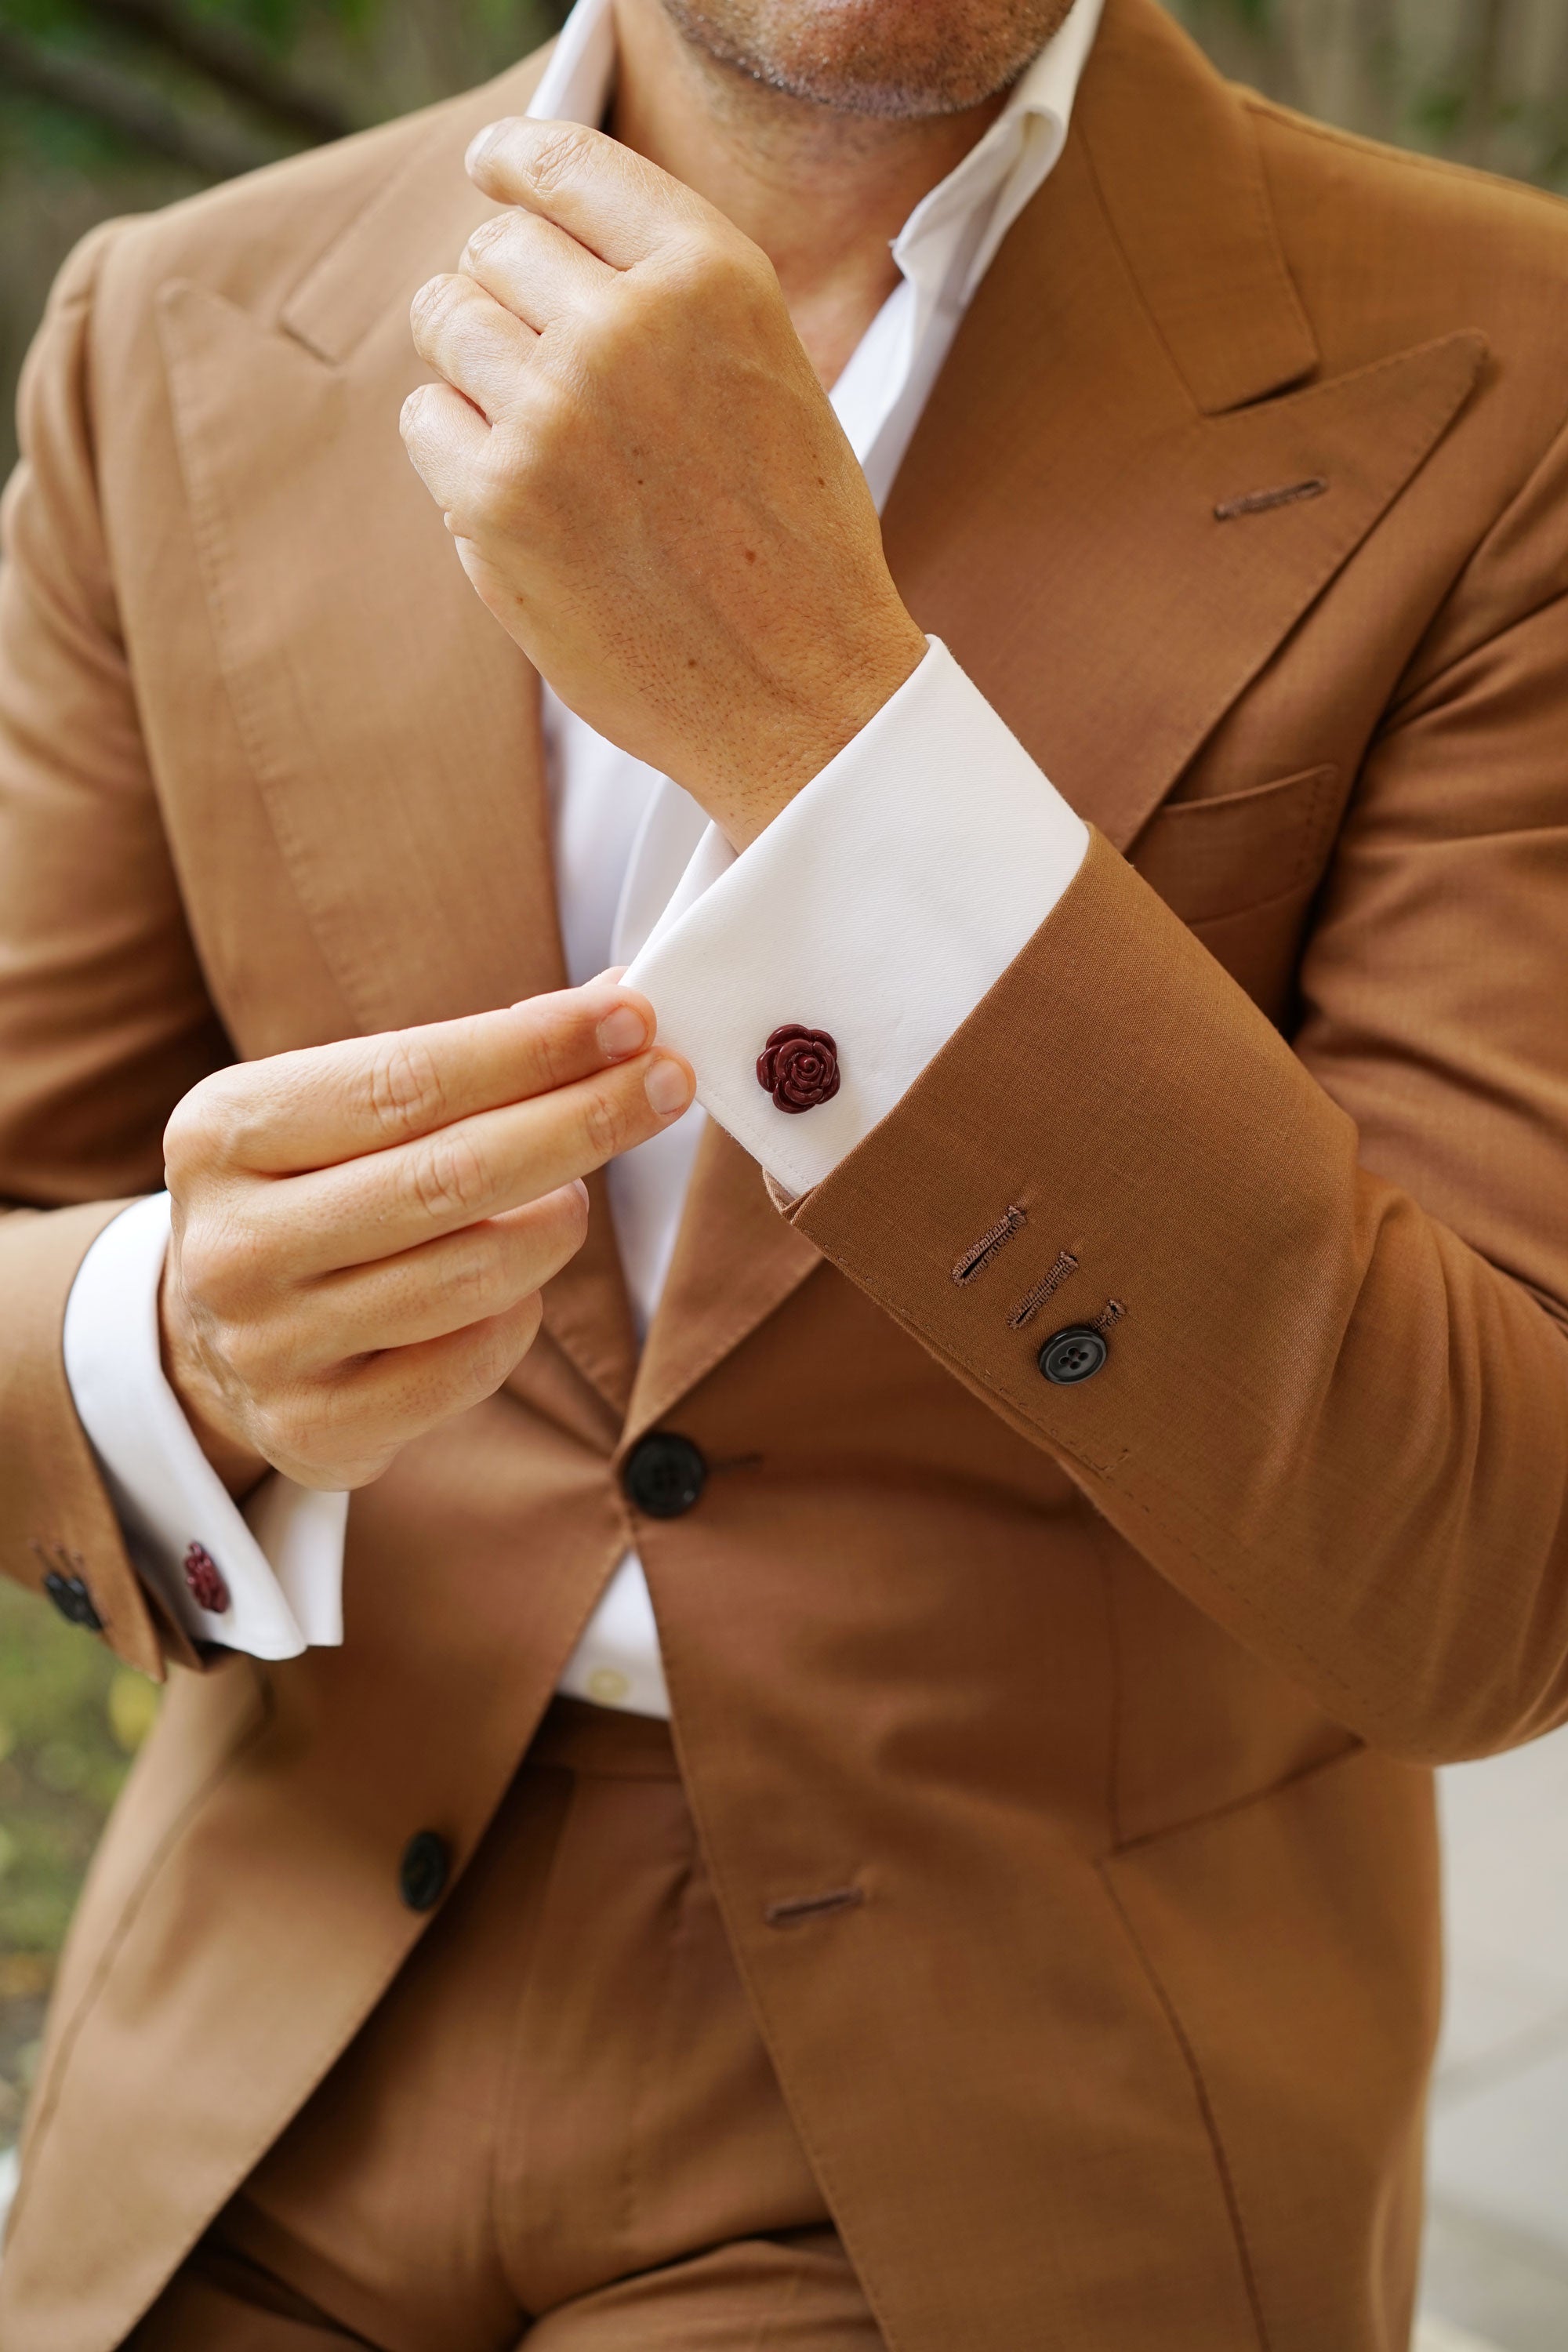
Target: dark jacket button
<point x="1075" y="1354"/>
<point x="72" y="1598"/>
<point x="423" y="1872"/>
<point x="664" y="1475"/>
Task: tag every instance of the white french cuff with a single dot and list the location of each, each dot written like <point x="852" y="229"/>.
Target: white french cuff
<point x="280" y="1558"/>
<point x="879" y="906"/>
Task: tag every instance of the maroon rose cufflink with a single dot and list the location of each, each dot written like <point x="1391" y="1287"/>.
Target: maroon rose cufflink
<point x="204" y="1580"/>
<point x="799" y="1067"/>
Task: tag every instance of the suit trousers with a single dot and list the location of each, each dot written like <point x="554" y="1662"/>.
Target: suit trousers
<point x="560" y="2124"/>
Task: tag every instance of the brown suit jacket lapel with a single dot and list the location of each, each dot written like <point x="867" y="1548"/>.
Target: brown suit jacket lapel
<point x="1053" y="520"/>
<point x="736" y="1261"/>
<point x="392" y="728"/>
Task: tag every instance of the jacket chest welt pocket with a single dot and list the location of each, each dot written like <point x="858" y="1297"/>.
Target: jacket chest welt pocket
<point x="1209" y="858"/>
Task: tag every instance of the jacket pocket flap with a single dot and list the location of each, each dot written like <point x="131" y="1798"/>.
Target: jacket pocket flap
<point x="1209" y="858"/>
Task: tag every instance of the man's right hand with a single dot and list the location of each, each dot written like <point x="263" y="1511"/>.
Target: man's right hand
<point x="361" y="1230"/>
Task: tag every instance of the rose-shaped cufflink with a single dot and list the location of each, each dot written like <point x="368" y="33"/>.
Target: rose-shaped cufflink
<point x="204" y="1581"/>
<point x="799" y="1067"/>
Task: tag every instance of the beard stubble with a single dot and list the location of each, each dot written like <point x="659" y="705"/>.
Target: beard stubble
<point x="901" y="60"/>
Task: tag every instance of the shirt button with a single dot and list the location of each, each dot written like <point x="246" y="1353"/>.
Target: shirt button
<point x="664" y="1475"/>
<point x="1073" y="1355"/>
<point x="423" y="1872"/>
<point x="608" y="1686"/>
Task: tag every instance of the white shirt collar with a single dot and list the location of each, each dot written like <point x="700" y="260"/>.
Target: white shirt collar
<point x="1018" y="151"/>
<point x="1009" y="162"/>
<point x="943" y="249"/>
<point x="577" y="83"/>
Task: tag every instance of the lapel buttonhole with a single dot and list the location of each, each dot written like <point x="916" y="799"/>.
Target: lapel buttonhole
<point x="1260" y="501"/>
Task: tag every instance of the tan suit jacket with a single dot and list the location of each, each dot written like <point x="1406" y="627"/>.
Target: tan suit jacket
<point x="1115" y="1702"/>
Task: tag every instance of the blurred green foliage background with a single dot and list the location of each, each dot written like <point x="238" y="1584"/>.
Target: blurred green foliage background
<point x="114" y="106"/>
<point x="70" y="1718"/>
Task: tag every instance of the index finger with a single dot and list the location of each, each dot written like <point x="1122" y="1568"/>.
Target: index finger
<point x="615" y="202"/>
<point x="327" y="1104"/>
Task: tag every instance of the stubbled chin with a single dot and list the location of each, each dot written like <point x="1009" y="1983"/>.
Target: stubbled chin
<point x="894" y="60"/>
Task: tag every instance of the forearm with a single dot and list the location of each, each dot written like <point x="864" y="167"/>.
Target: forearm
<point x="57" y="1519"/>
<point x="1331" y="1424"/>
<point x="1337" y="1425"/>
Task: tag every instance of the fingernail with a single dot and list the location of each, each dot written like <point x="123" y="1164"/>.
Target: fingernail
<point x="578" y="1186"/>
<point x="621" y="1033"/>
<point x="481" y="142"/>
<point x="668" y="1086"/>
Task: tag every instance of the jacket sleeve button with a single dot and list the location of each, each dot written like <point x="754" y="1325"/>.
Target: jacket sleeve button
<point x="73" y="1600"/>
<point x="1073" y="1355"/>
<point x="423" y="1872"/>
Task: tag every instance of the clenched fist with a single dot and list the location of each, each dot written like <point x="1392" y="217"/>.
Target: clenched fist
<point x="361" y="1231"/>
<point x="646" y="483"/>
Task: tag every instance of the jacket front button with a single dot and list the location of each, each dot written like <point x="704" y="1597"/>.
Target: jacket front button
<point x="664" y="1475"/>
<point x="423" y="1872"/>
<point x="72" y="1598"/>
<point x="1073" y="1355"/>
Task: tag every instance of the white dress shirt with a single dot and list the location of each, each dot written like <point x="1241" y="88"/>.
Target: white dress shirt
<point x="971" y="848"/>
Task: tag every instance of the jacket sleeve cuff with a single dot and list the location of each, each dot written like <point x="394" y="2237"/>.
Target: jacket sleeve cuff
<point x="281" y="1557"/>
<point x="879" y="906"/>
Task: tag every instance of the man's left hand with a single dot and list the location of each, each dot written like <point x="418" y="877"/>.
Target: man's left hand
<point x="646" y="481"/>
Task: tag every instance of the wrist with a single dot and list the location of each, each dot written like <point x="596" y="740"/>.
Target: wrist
<point x="200" y="1397"/>
<point x="785" y="746"/>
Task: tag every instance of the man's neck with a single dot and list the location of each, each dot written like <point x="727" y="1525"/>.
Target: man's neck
<point x="822" y="193"/>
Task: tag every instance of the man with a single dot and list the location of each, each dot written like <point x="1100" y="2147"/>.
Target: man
<point x="1081" y="1428"/>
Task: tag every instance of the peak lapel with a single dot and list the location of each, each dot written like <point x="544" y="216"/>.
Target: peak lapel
<point x="1055" y="519"/>
<point x="1054" y="522"/>
<point x="1180" y="183"/>
<point x="391" y="726"/>
<point x="736" y="1260"/>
